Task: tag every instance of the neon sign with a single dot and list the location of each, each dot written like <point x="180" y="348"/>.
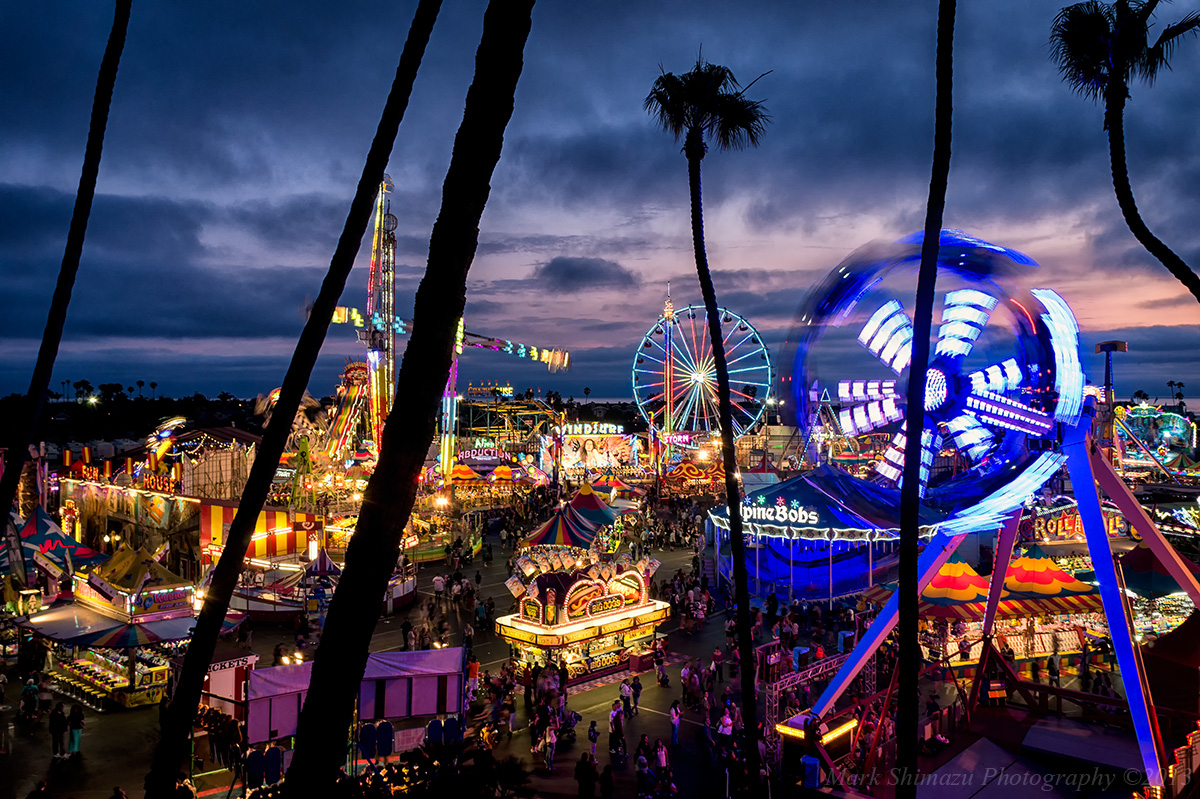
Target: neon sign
<point x="159" y="482"/>
<point x="593" y="429"/>
<point x="780" y="513"/>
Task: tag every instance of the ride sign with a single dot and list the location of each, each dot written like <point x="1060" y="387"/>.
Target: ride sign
<point x="781" y="514"/>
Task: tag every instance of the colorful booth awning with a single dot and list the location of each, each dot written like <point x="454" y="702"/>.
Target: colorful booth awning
<point x="464" y="474"/>
<point x="956" y="583"/>
<point x="1035" y="575"/>
<point x="504" y="474"/>
<point x="78" y="625"/>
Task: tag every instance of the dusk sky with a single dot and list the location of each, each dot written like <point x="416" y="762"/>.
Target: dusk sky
<point x="238" y="132"/>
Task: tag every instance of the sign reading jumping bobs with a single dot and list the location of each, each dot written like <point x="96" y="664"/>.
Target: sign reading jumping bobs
<point x="823" y="504"/>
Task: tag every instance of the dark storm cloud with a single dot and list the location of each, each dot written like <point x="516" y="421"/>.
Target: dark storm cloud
<point x="572" y="275"/>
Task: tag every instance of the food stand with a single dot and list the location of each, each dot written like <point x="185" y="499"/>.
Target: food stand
<point x="579" y="608"/>
<point x="115" y="635"/>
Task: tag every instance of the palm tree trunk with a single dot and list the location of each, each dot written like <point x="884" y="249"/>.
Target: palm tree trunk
<point x="39" y="383"/>
<point x="737" y="544"/>
<point x="388" y="499"/>
<point x="1114" y="123"/>
<point x="172" y="748"/>
<point x="909" y="701"/>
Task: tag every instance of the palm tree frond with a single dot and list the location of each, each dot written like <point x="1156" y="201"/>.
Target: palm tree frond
<point x="665" y="106"/>
<point x="1159" y="56"/>
<point x="1081" y="46"/>
<point x="737" y="122"/>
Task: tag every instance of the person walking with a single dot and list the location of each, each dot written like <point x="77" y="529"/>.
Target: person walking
<point x="718" y="664"/>
<point x="549" y="741"/>
<point x="662" y="758"/>
<point x="725" y="730"/>
<point x="635" y="693"/>
<point x="626" y="698"/>
<point x="58" y="731"/>
<point x="676" y="715"/>
<point x="1052" y="670"/>
<point x="75" y="729"/>
<point x="45" y="696"/>
<point x="616" y="731"/>
<point x="593" y="735"/>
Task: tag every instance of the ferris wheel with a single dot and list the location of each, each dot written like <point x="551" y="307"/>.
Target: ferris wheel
<point x="675" y="375"/>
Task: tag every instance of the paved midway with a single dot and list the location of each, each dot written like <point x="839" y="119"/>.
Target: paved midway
<point x="117" y="746"/>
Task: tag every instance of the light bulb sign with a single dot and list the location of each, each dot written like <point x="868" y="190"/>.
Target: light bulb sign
<point x="593" y="429"/>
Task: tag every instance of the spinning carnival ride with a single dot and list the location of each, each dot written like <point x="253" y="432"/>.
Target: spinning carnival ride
<point x="379" y="327"/>
<point x="675" y="376"/>
<point x="1015" y="422"/>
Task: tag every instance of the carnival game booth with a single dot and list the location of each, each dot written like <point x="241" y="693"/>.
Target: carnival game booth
<point x="1042" y="611"/>
<point x="1157" y="602"/>
<point x="117" y="635"/>
<point x="819" y="535"/>
<point x="576" y="606"/>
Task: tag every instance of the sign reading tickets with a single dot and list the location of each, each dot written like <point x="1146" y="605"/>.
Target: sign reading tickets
<point x="236" y="663"/>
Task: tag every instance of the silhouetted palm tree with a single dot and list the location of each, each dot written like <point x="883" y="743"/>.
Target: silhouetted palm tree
<point x="1100" y="49"/>
<point x="39" y="383"/>
<point x="172" y="748"/>
<point x="908" y="703"/>
<point x="153" y="390"/>
<point x="391" y="491"/>
<point x="708" y="104"/>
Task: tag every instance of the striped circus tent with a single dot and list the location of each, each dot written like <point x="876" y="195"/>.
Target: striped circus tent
<point x="462" y="474"/>
<point x="565" y="527"/>
<point x="1035" y="575"/>
<point x="589" y="505"/>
